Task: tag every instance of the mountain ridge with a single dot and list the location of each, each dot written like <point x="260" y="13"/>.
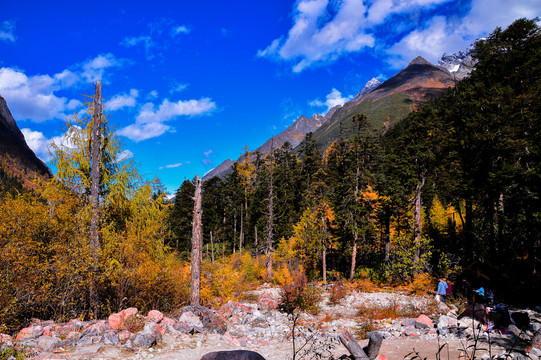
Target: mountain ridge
<point x="15" y="155"/>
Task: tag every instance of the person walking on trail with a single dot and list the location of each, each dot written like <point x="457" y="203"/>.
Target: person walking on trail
<point x="442" y="289"/>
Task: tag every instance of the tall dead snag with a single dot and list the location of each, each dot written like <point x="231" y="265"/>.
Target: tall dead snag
<point x="197" y="245"/>
<point x="97" y="111"/>
<point x="417" y="220"/>
<point x="270" y="223"/>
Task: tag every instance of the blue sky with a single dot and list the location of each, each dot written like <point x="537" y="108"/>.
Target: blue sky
<point x="190" y="83"/>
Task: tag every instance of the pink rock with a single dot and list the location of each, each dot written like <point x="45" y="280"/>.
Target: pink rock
<point x="115" y="321"/>
<point x="423" y="322"/>
<point x="161" y="328"/>
<point x="47" y="332"/>
<point x="168" y="321"/>
<point x="127" y="312"/>
<point x="6" y="339"/>
<point x="24" y="333"/>
<point x="124" y="335"/>
<point x="382" y="357"/>
<point x="155" y="316"/>
<point x="263" y="342"/>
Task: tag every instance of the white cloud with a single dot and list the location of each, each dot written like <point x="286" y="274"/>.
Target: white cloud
<point x="168" y="110"/>
<point x="120" y="101"/>
<point x="182" y="29"/>
<point x="179" y="88"/>
<point x="38" y="143"/>
<point x="441" y="34"/>
<point x="125" y="154"/>
<point x="33" y="97"/>
<point x="7" y="31"/>
<point x="170" y="166"/>
<point x="94" y="69"/>
<point x="333" y="99"/>
<point x="320" y="35"/>
<point x="150" y="121"/>
<point x="145" y="40"/>
<point x="325" y="30"/>
<point x="429" y="43"/>
<point x="138" y="132"/>
<point x="207" y="160"/>
<point x="42" y="146"/>
<point x="153" y="94"/>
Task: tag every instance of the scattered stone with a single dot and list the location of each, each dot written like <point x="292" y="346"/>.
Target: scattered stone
<point x="423" y="322"/>
<point x="155" y="316"/>
<point x="48" y="343"/>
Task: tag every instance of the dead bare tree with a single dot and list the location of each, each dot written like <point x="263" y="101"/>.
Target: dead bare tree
<point x="97" y="112"/>
<point x="197" y="245"/>
<point x="270" y="223"/>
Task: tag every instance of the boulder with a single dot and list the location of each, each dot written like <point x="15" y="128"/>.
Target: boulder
<point x="155" y="316"/>
<point x="190" y="318"/>
<point x="115" y="321"/>
<point x="110" y="338"/>
<point x="423" y="322"/>
<point x="124" y="336"/>
<point x="48" y="343"/>
<point x="211" y="322"/>
<point x="31" y="332"/>
<point x="233" y="355"/>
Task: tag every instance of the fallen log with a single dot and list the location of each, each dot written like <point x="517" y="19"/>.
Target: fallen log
<point x="370" y="352"/>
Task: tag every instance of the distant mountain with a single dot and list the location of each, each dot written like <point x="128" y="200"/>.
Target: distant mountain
<point x="389" y="102"/>
<point x="294" y="134"/>
<point x="370" y="85"/>
<point x="459" y="64"/>
<point x="15" y="156"/>
<point x="383" y="103"/>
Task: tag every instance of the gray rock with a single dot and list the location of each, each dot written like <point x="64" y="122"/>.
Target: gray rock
<point x="83" y="341"/>
<point x="110" y="338"/>
<point x="48" y="343"/>
<point x="74" y="336"/>
<point x="144" y="339"/>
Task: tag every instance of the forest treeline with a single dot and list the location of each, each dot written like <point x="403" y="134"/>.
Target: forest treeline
<point x="454" y="187"/>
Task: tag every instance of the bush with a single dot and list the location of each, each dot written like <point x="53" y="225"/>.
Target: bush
<point x="299" y="296"/>
<point x="338" y="292"/>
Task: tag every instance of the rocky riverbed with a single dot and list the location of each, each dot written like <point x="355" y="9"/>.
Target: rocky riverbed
<point x="257" y="325"/>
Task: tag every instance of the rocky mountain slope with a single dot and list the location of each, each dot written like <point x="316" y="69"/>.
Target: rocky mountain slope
<point x="15" y="156"/>
<point x="294" y="134"/>
<point x="383" y="103"/>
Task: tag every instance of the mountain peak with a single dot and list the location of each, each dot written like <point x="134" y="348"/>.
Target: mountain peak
<point x="419" y="60"/>
<point x="368" y="87"/>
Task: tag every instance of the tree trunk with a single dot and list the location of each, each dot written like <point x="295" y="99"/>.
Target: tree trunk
<point x="270" y="223"/>
<point x="353" y="255"/>
<point x="417" y="219"/>
<point x="197" y="244"/>
<point x="241" y="237"/>
<point x="95" y="194"/>
<point x="387" y="236"/>
<point x="211" y="248"/>
<point x="96" y="169"/>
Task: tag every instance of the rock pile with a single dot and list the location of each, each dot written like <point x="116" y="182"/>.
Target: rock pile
<point x="253" y="325"/>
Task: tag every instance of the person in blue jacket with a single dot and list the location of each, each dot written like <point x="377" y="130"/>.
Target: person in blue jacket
<point x="442" y="289"/>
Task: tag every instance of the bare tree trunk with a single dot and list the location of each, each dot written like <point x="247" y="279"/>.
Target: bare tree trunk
<point x="324" y="250"/>
<point x="241" y="237"/>
<point x="417" y="219"/>
<point x="96" y="169"/>
<point x="255" y="231"/>
<point x="211" y="247"/>
<point x="234" y="230"/>
<point x="270" y="224"/>
<point x="353" y="255"/>
<point x="197" y="244"/>
<point x="95" y="194"/>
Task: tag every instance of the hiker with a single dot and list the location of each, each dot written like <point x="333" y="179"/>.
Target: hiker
<point x="479" y="295"/>
<point x="449" y="288"/>
<point x="442" y="289"/>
